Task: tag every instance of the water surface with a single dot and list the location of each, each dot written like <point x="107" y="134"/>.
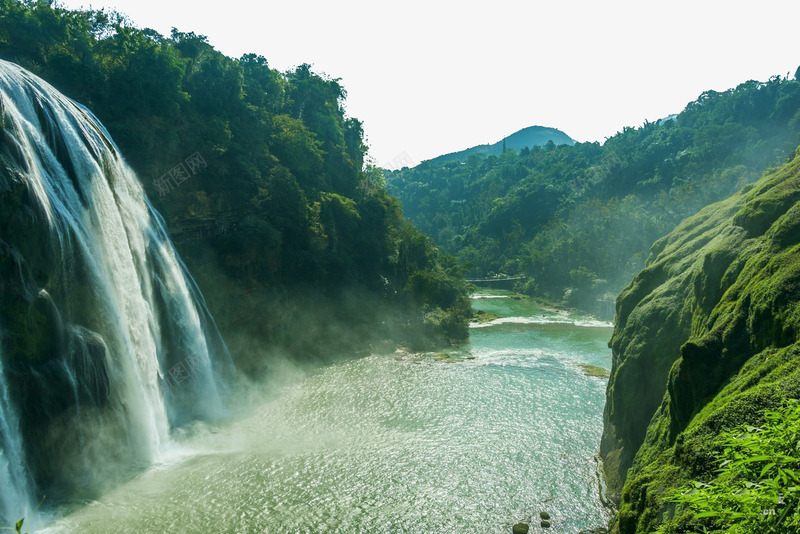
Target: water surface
<point x="472" y="441"/>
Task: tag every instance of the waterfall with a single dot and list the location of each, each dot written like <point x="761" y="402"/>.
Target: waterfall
<point x="105" y="342"/>
<point x="15" y="497"/>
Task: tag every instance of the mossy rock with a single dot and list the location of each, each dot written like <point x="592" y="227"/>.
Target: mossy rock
<point x="520" y="528"/>
<point x="593" y="370"/>
<point x="448" y="358"/>
<point x="481" y="317"/>
<point x="705" y="338"/>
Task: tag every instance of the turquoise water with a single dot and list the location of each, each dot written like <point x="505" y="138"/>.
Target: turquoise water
<point x="498" y="431"/>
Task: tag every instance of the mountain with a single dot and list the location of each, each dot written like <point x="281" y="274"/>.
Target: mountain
<point x="261" y="179"/>
<point x="575" y="222"/>
<point x="707" y="338"/>
<point x="526" y="138"/>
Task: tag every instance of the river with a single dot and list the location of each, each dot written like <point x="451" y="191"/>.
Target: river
<point x="472" y="440"/>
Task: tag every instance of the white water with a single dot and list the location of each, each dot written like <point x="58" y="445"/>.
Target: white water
<point x="15" y="497"/>
<point x="143" y="312"/>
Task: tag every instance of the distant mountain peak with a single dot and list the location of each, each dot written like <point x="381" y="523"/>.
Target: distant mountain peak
<point x="524" y="138"/>
<point x="535" y="136"/>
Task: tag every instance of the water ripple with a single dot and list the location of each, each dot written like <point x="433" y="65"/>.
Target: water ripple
<point x="403" y="444"/>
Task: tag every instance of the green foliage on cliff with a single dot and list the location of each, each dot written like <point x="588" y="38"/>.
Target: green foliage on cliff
<point x="261" y="178"/>
<point x="578" y="221"/>
<point x="757" y="485"/>
<point x="707" y="338"/>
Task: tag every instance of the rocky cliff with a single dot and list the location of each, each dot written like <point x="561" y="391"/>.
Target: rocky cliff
<point x="706" y="338"/>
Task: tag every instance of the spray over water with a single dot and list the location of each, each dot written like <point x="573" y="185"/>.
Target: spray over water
<point x="105" y="342"/>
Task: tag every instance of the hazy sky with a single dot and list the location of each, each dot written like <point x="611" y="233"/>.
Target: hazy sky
<point x="431" y="77"/>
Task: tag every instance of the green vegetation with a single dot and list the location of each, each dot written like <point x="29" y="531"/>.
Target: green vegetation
<point x="577" y="221"/>
<point x="299" y="248"/>
<point x="261" y="179"/>
<point x="593" y="370"/>
<point x="16" y="528"/>
<point x="18" y="525"/>
<point x="755" y="489"/>
<point x="707" y="340"/>
<point x="484" y="317"/>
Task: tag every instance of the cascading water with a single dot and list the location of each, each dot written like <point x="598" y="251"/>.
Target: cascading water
<point x="105" y="341"/>
<point x="15" y="495"/>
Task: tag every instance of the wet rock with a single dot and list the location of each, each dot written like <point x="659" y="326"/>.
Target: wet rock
<point x="520" y="528"/>
<point x="545" y="524"/>
<point x="544" y="515"/>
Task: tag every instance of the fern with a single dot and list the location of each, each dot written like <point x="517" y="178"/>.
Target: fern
<point x="757" y="486"/>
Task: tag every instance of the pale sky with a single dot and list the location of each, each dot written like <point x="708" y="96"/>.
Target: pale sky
<point x="430" y="77"/>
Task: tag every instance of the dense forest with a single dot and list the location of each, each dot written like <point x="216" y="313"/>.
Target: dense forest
<point x="262" y="181"/>
<point x="577" y="221"/>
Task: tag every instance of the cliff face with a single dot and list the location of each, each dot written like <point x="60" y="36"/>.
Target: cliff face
<point x="706" y="337"/>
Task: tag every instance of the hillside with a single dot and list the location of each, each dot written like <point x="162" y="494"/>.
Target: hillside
<point x="526" y="138"/>
<point x="260" y="177"/>
<point x="707" y="337"/>
<point x="577" y="221"/>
